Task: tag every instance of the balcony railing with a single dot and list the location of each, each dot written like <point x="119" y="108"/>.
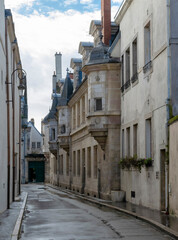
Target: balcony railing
<point x="134" y="77"/>
<point x="147" y="67"/>
<point x="122" y="88"/>
<point x="53" y="147"/>
<point x="127" y="84"/>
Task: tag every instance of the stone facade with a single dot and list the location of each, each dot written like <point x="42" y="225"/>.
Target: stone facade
<point x="143" y="46"/>
<point x="119" y="113"/>
<point x="33" y="142"/>
<point x="173" y="169"/>
<point x="10" y="117"/>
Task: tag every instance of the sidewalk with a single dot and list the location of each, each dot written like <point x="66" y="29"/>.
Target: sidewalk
<point x="9" y="218"/>
<point x="164" y="222"/>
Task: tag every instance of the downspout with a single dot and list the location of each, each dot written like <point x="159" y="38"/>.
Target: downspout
<point x="13" y="129"/>
<point x="8" y="116"/>
<point x="24" y="154"/>
<point x="168" y="107"/>
<point x="19" y="145"/>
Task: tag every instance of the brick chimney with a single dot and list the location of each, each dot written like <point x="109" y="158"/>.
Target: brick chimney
<point x="106" y="20"/>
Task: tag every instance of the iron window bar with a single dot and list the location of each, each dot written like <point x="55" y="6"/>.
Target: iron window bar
<point x="147" y="67"/>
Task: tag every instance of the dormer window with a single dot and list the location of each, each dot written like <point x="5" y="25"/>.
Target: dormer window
<point x="98" y="104"/>
<point x="63" y="129"/>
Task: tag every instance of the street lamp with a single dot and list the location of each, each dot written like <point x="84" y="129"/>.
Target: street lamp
<point x="22" y="77"/>
<point x="21" y="88"/>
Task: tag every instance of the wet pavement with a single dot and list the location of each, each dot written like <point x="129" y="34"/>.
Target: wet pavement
<point x="8" y="219"/>
<point x="160" y="217"/>
<point x="54" y="215"/>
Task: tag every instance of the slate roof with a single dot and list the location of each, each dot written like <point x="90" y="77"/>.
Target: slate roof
<point x="87" y="44"/>
<point x="100" y="54"/>
<point x="53" y="110"/>
<point x="66" y="92"/>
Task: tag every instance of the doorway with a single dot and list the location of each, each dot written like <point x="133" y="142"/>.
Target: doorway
<point x="36" y="171"/>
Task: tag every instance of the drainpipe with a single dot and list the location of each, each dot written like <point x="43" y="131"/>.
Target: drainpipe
<point x="8" y="117"/>
<point x="13" y="129"/>
<point x="19" y="145"/>
<point x="168" y="105"/>
<point x="24" y="154"/>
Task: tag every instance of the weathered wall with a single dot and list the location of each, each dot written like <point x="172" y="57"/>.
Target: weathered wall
<point x="145" y="98"/>
<point x="173" y="168"/>
<point x="3" y="109"/>
<point x="174" y="54"/>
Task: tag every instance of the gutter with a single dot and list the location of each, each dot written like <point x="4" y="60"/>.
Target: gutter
<point x="168" y="106"/>
<point x="8" y="116"/>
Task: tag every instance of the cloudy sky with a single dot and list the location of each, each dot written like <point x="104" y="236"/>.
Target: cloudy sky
<point x="44" y="27"/>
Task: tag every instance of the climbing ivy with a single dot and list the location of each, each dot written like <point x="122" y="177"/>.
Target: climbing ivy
<point x="134" y="162"/>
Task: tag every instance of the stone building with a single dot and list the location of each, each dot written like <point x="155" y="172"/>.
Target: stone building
<point x="12" y="79"/>
<point x="115" y="144"/>
<point x="49" y="126"/>
<point x="33" y="165"/>
<point x="89" y="120"/>
<point x="145" y="44"/>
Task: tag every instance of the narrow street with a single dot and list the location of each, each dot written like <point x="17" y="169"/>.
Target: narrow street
<point x="54" y="215"/>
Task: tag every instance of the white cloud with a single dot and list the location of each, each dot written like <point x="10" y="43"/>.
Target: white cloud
<point x="86" y="1"/>
<point x="39" y="38"/>
<point x="17" y="4"/>
<point x="117" y="1"/>
<point x="69" y="2"/>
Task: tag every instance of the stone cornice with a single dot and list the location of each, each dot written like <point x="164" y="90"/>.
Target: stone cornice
<point x="78" y="93"/>
<point x="101" y="67"/>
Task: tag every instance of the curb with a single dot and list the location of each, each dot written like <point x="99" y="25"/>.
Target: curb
<point x="17" y="227"/>
<point x="160" y="226"/>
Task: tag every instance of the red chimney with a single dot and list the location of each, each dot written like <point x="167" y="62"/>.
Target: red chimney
<point x="106" y="20"/>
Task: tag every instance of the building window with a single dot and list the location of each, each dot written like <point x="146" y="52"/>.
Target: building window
<point x="128" y="141"/>
<point x="67" y="165"/>
<point x="123" y="70"/>
<point x="78" y="162"/>
<point x="78" y="114"/>
<point x="61" y="164"/>
<point x="127" y="84"/>
<point x="83" y="109"/>
<point x="74" y="117"/>
<point x="123" y="144"/>
<point x="28" y="143"/>
<point x="95" y="159"/>
<point x="74" y="163"/>
<point x="134" y="61"/>
<point x="89" y="162"/>
<point x="98" y="104"/>
<point x="83" y="157"/>
<point x="147" y="48"/>
<point x="148" y="139"/>
<point x="135" y="139"/>
<point x="52" y="134"/>
<point x="38" y="144"/>
<point x="33" y="145"/>
<point x="63" y="129"/>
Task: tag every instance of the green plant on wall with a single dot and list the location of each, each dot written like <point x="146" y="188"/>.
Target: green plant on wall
<point x="136" y="163"/>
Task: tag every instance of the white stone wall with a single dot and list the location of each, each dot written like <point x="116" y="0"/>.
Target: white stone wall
<point x="34" y="136"/>
<point x="45" y="133"/>
<point x="3" y="109"/>
<point x="146" y="98"/>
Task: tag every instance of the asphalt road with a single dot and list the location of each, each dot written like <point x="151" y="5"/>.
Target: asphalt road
<point x="60" y="216"/>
